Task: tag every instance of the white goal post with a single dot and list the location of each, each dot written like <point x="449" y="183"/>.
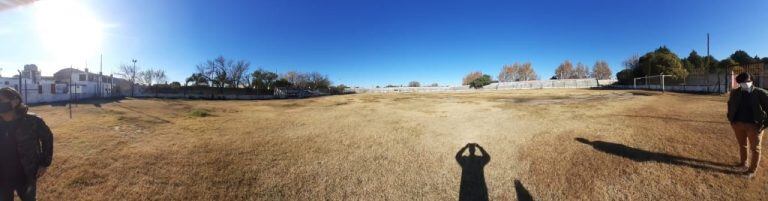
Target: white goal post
<point x="659" y="78"/>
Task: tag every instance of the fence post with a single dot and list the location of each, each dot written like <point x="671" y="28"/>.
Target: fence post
<point x="662" y="83"/>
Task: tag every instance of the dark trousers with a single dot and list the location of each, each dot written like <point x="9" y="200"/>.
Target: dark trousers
<point x="25" y="192"/>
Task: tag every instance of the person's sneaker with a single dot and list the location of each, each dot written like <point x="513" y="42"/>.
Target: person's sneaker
<point x="748" y="175"/>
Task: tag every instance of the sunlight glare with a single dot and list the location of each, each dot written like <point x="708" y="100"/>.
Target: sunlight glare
<point x="68" y="29"/>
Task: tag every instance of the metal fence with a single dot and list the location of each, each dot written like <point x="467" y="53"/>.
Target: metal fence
<point x="703" y="80"/>
<point x="759" y="75"/>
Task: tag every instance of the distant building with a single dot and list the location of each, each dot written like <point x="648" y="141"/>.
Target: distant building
<point x="65" y="84"/>
<point x="31" y="72"/>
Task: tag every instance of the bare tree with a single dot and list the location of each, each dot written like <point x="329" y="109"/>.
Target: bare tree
<point x="219" y="72"/>
<point x="237" y="72"/>
<point x="414" y="84"/>
<point x="526" y="72"/>
<point x="509" y="73"/>
<point x="565" y="70"/>
<point x="632" y="62"/>
<point x="160" y="78"/>
<point x="317" y="81"/>
<point x="517" y="72"/>
<point x="147" y="77"/>
<point x="130" y="73"/>
<point x="223" y="67"/>
<point x="292" y="77"/>
<point x="581" y="71"/>
<point x="601" y="70"/>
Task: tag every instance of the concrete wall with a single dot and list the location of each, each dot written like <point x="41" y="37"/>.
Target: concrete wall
<point x="535" y="84"/>
<point x="205" y="96"/>
<point x="41" y="92"/>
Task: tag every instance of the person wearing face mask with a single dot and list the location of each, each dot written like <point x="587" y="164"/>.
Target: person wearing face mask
<point x="747" y="107"/>
<point x="26" y="148"/>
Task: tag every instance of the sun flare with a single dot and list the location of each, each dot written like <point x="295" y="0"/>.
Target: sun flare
<point x="68" y="29"/>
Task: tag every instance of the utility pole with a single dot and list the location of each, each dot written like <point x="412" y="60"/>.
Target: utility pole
<point x="69" y="87"/>
<point x="101" y="65"/>
<point x="19" y="87"/>
<point x="133" y="81"/>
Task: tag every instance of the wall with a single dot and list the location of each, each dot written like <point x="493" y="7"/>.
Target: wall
<point x="31" y="92"/>
<point x="535" y="84"/>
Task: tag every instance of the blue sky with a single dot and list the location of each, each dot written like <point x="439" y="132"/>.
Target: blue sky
<point x="367" y="43"/>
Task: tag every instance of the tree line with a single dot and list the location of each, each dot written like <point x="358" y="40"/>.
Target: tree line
<point x="600" y="71"/>
<point x="664" y="61"/>
<point x="222" y="73"/>
<point x="525" y="72"/>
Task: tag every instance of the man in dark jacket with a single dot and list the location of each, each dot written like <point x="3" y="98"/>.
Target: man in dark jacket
<point x="26" y="148"/>
<point x="747" y="107"/>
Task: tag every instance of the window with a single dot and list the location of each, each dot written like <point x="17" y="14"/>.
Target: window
<point x="82" y="77"/>
<point x="40" y="88"/>
<point x="53" y="88"/>
<point x="6" y="82"/>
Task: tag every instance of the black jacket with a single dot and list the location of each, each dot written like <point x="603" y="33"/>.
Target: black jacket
<point x="34" y="145"/>
<point x="759" y="95"/>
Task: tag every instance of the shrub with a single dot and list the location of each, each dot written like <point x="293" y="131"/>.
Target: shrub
<point x="480" y="82"/>
<point x="199" y="113"/>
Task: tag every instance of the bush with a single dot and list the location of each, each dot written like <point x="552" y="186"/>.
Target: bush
<point x="480" y="82"/>
<point x="199" y="113"/>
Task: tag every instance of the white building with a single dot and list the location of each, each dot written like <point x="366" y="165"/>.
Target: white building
<point x="67" y="84"/>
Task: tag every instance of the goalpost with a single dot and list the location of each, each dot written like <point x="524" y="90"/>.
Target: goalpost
<point x="650" y="82"/>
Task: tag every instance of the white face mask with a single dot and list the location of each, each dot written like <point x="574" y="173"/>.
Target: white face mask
<point x="747" y="86"/>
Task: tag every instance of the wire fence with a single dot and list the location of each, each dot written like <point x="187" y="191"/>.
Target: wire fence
<point x="702" y="80"/>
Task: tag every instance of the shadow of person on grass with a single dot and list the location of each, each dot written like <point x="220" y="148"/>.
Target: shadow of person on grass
<point x="473" y="185"/>
<point x="639" y="155"/>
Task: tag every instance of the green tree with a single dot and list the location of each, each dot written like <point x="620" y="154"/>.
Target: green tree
<point x="196" y="79"/>
<point x="480" y="82"/>
<point x="727" y="64"/>
<point x="710" y="63"/>
<point x="695" y="60"/>
<point x="662" y="60"/>
<point x="741" y="57"/>
<point x="263" y="80"/>
<point x="625" y="76"/>
<point x="175" y="85"/>
<point x="282" y="83"/>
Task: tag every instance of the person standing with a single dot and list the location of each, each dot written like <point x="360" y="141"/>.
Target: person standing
<point x="26" y="148"/>
<point x="747" y="107"/>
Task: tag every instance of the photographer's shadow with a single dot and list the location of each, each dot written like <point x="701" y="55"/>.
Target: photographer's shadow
<point x="473" y="185"/>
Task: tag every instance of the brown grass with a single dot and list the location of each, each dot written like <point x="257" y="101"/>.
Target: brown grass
<point x="398" y="147"/>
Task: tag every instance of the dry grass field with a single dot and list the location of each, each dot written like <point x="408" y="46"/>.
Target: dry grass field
<point x="567" y="144"/>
